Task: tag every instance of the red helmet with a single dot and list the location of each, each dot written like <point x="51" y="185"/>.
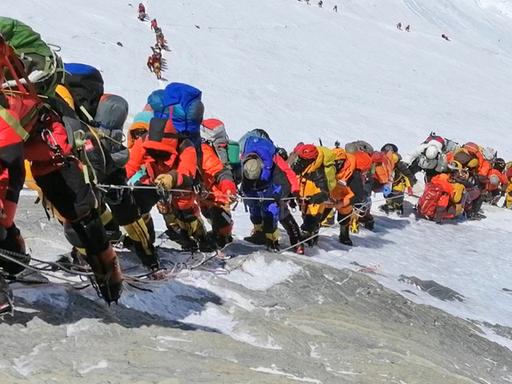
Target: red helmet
<point x="472" y="147"/>
<point x="306" y="151"/>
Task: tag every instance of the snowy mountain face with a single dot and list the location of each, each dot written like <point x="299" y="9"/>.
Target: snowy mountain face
<point x="302" y="73"/>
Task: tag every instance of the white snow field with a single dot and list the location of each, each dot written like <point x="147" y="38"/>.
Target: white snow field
<point x="305" y="73"/>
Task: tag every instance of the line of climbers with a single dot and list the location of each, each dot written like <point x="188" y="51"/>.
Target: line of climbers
<point x="58" y="119"/>
<point x="155" y="61"/>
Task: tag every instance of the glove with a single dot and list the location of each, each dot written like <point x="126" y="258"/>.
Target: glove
<point x="293" y="202"/>
<point x="165" y="181"/>
<point x="387" y="190"/>
<point x="410" y="192"/>
<point x="319" y="198"/>
<point x="228" y="187"/>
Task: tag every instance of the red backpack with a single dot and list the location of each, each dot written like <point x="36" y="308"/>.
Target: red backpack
<point x="428" y="202"/>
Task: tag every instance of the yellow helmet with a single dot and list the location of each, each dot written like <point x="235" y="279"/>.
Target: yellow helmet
<point x="339" y="153"/>
<point x="64" y="93"/>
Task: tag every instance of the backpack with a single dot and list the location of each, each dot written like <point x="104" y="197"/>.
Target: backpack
<point x="86" y="86"/>
<point x="434" y="137"/>
<point x="185" y="107"/>
<point x="256" y="133"/>
<point x="427" y="204"/>
<point x="329" y="167"/>
<point x="265" y="150"/>
<point x="181" y="103"/>
<point x="111" y="115"/>
<point x="359" y="145"/>
<point x="42" y="65"/>
<point x="213" y="132"/>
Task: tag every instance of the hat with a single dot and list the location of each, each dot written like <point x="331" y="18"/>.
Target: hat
<point x="389" y="147"/>
<point x="161" y="136"/>
<point x="306" y="151"/>
<point x="472" y="147"/>
<point x="252" y="168"/>
<point x="340" y="153"/>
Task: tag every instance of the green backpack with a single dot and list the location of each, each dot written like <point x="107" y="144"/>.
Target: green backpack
<point x="329" y="167"/>
<point x="42" y="65"/>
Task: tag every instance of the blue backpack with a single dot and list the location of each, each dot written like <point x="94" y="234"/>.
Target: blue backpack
<point x="182" y="104"/>
<point x="265" y="150"/>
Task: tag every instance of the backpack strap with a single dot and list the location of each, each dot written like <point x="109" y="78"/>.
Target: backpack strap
<point x="14" y="123"/>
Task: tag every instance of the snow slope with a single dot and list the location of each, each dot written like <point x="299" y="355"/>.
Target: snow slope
<point x="302" y="72"/>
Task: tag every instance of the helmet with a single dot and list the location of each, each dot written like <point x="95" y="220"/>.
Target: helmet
<point x="260" y="133"/>
<point x="431" y="152"/>
<point x="494" y="180"/>
<point x="389" y="147"/>
<point x="339" y="153"/>
<point x="471" y="147"/>
<point x="306" y="151"/>
<point x="252" y="168"/>
<point x="499" y="164"/>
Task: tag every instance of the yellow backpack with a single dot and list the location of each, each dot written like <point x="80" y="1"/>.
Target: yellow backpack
<point x="330" y="169"/>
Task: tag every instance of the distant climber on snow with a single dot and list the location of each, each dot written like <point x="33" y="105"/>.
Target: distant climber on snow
<point x="445" y="37"/>
<point x="154" y="25"/>
<point x="155" y="66"/>
<point x="408" y="28"/>
<point x="142" y="12"/>
<point x="399" y="26"/>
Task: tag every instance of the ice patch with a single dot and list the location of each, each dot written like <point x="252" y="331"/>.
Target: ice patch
<point x="24" y="364"/>
<point x="257" y="275"/>
<point x="86" y="368"/>
<point x="77" y="328"/>
<point x="275" y="371"/>
<point x="213" y="317"/>
<point x="165" y="339"/>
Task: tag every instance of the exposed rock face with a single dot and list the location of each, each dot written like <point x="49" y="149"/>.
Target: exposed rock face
<point x="433" y="288"/>
<point x="316" y="325"/>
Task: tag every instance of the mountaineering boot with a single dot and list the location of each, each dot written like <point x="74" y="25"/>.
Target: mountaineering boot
<point x="292" y="229"/>
<point x="257" y="237"/>
<point x="272" y="241"/>
<point x="207" y="244"/>
<point x="310" y="238"/>
<point x="223" y="240"/>
<point x="272" y="245"/>
<point x="13" y="245"/>
<point x="330" y="219"/>
<point x="173" y="233"/>
<point x="370" y="224"/>
<point x="385" y="208"/>
<point x="220" y="240"/>
<point x="344" y="237"/>
<point x="107" y="273"/>
<point x="188" y="244"/>
<point x="141" y="236"/>
<point x="6" y="298"/>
